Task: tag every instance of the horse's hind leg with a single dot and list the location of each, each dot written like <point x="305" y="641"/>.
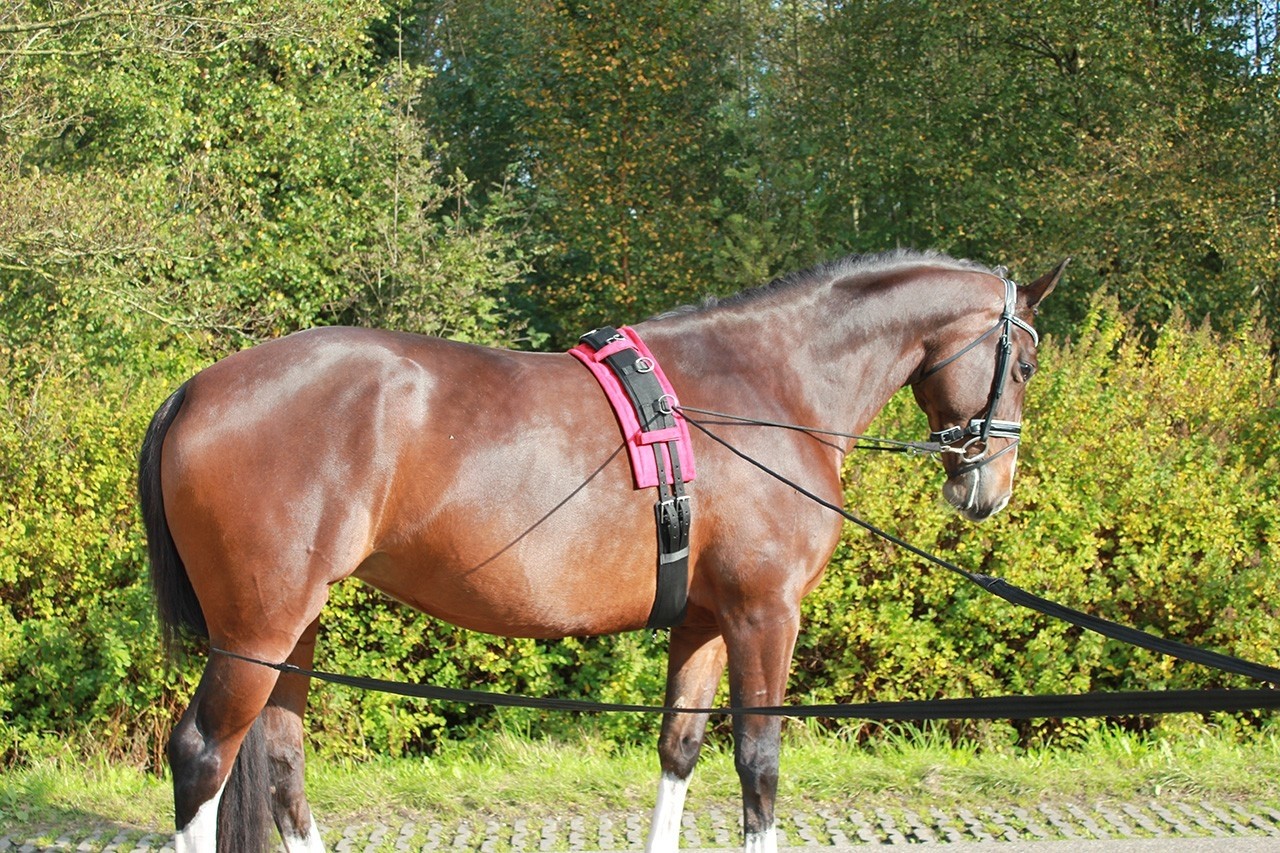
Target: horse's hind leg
<point x="282" y="721"/>
<point x="206" y="750"/>
<point x="696" y="660"/>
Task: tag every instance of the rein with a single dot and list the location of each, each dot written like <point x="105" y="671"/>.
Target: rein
<point x="1014" y="595"/>
<point x="890" y="445"/>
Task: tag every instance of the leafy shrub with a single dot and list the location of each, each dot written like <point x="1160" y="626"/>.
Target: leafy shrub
<point x="1147" y="494"/>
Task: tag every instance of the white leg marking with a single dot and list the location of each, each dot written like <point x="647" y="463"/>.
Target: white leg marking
<point x="762" y="842"/>
<point x="664" y="832"/>
<point x="313" y="843"/>
<point x="201" y="834"/>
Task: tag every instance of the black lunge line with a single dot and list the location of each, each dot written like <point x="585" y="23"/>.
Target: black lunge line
<point x="1113" y="704"/>
<point x="1015" y="595"/>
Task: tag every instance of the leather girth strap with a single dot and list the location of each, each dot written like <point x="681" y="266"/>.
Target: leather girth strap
<point x="673" y="512"/>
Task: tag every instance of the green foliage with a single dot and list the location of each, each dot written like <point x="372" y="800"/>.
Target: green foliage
<point x="182" y="178"/>
<point x="78" y="650"/>
<point x="241" y="170"/>
<point x="1146" y="495"/>
<point x="365" y="633"/>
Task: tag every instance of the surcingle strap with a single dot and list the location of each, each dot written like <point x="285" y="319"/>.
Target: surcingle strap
<point x="661" y="454"/>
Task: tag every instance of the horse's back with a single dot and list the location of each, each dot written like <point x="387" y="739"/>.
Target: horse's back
<point x="398" y="457"/>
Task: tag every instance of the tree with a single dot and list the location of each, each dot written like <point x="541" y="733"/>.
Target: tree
<point x="1132" y="136"/>
<point x="605" y="116"/>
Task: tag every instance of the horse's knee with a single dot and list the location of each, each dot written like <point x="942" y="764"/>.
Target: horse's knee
<point x="679" y="748"/>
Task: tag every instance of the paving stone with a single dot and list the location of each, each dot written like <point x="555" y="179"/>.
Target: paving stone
<point x="919" y="829"/>
<point x="1032" y="828"/>
<point x="1143" y="820"/>
<point x="1171" y="819"/>
<point x="520" y="835"/>
<point x="347" y="843"/>
<point x="689" y="835"/>
<point x="974" y="826"/>
<point x="604" y="834"/>
<point x="1256" y="822"/>
<point x="1057" y="822"/>
<point x="375" y="838"/>
<point x="577" y="834"/>
<point x="1200" y="819"/>
<point x="861" y="828"/>
<point x="549" y="830"/>
<point x="1114" y="821"/>
<point x="492" y="837"/>
<point x="1002" y="824"/>
<point x="945" y="825"/>
<point x="720" y="831"/>
<point x="835" y="832"/>
<point x="462" y="836"/>
<point x="405" y="838"/>
<point x="635" y="831"/>
<point x="889" y="827"/>
<point x="118" y="842"/>
<point x="1231" y="823"/>
<point x="1087" y="821"/>
<point x="804" y="831"/>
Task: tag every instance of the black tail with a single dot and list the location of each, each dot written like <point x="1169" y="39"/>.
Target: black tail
<point x="244" y="814"/>
<point x="176" y="603"/>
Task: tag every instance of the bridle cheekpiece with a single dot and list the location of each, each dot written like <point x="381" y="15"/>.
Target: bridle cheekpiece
<point x="978" y="430"/>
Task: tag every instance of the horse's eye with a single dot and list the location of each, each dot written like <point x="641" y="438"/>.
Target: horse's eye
<point x="1028" y="370"/>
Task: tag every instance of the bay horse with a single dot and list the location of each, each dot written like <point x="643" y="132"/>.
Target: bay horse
<point x="485" y="487"/>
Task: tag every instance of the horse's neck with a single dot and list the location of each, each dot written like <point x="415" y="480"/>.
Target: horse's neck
<point x="816" y="358"/>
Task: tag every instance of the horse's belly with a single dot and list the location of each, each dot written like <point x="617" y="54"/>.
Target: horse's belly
<point x="571" y="596"/>
<point x="553" y="563"/>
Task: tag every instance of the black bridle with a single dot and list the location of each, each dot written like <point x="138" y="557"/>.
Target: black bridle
<point x="958" y="439"/>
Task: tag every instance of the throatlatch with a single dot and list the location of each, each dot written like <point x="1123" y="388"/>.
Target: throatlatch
<point x="650" y="421"/>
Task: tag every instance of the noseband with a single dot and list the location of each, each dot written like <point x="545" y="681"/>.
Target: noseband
<point x="978" y="430"/>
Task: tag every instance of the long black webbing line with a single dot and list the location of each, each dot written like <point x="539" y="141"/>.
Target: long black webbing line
<point x="1021" y="597"/>
<point x="1111" y="704"/>
<point x="1118" y="704"/>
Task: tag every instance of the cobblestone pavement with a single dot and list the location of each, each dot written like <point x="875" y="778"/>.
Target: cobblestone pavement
<point x="830" y="828"/>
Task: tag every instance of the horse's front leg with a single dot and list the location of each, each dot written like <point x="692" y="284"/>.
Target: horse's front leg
<point x="695" y="662"/>
<point x="760" y="647"/>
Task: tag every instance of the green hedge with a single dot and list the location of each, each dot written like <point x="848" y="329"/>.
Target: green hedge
<point x="1147" y="493"/>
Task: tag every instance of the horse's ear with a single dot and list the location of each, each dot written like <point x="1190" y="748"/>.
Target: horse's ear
<point x="1037" y="290"/>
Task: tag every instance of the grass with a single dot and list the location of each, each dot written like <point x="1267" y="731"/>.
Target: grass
<point x="507" y="776"/>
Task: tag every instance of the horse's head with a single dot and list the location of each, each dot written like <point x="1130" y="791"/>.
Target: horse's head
<point x="972" y="387"/>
